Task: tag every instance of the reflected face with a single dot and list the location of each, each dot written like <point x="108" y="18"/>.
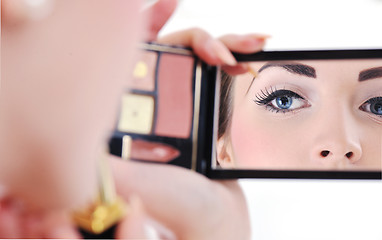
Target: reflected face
<point x="306" y="115"/>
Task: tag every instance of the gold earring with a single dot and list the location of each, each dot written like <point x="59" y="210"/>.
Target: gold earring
<point x="100" y="218"/>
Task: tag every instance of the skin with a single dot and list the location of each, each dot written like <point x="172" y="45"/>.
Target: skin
<point x="61" y="83"/>
<point x="328" y="119"/>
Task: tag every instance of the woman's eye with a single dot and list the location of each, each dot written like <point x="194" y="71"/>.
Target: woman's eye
<point x="287" y="103"/>
<point x="373" y="105"/>
<point x="281" y="100"/>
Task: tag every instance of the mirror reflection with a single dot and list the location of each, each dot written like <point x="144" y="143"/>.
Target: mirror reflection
<point x="302" y="115"/>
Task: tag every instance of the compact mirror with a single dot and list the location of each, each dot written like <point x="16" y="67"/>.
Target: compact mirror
<point x="302" y="114"/>
<point x="295" y="114"/>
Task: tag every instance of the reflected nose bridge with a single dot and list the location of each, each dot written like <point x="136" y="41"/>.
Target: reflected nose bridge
<point x="336" y="135"/>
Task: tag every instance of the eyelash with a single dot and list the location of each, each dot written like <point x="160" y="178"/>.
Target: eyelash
<point x="267" y="96"/>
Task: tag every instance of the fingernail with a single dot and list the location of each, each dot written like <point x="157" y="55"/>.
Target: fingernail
<point x="152" y="229"/>
<point x="221" y="51"/>
<point x="255" y="40"/>
<point x="151" y="233"/>
<point x="155" y="231"/>
<point x="260" y="36"/>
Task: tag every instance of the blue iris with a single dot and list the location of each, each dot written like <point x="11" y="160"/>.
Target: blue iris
<point x="285" y="102"/>
<point x="376" y="107"/>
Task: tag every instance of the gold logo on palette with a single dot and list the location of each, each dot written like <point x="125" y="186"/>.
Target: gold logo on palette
<point x="137" y="114"/>
<point x="140" y="70"/>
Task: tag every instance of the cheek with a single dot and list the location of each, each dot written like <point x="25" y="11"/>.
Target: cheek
<point x="371" y="143"/>
<point x="252" y="144"/>
<point x="264" y="144"/>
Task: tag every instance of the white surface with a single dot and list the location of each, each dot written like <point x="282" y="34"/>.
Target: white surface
<point x="314" y="209"/>
<point x="292" y="23"/>
<point x="301" y="209"/>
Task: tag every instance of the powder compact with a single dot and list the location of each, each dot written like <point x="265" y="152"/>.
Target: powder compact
<point x="170" y="112"/>
<point x="167" y="114"/>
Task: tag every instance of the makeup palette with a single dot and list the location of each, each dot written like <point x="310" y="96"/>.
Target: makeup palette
<point x="167" y="114"/>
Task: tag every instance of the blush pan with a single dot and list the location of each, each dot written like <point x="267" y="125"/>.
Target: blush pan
<point x="175" y="96"/>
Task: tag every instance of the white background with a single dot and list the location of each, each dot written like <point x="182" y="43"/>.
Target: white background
<point x="301" y="209"/>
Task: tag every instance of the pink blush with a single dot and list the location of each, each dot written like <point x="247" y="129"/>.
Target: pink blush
<point x="174" y="116"/>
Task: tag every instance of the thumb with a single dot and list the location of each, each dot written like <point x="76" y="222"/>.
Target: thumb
<point x="138" y="225"/>
<point x="157" y="15"/>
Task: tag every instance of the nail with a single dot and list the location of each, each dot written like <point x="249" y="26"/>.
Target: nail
<point x="151" y="233"/>
<point x="152" y="229"/>
<point x="254" y="41"/>
<point x="221" y="51"/>
<point x="259" y="36"/>
<point x="155" y="231"/>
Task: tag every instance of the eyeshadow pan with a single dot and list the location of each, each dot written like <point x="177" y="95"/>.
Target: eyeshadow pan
<point x="175" y="107"/>
<point x="144" y="72"/>
<point x="137" y="113"/>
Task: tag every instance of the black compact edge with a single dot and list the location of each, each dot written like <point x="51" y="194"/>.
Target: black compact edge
<point x="309" y="55"/>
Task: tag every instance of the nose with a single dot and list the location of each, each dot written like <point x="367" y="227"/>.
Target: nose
<point x="350" y="153"/>
<point x="336" y="141"/>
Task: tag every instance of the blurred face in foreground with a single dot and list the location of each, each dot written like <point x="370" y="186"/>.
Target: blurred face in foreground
<point x="64" y="66"/>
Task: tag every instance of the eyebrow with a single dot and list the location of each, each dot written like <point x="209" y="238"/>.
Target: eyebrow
<point x="295" y="68"/>
<point x="370" y="74"/>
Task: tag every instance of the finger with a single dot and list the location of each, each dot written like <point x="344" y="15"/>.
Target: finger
<point x="237" y="69"/>
<point x="132" y="227"/>
<point x="157" y="15"/>
<point x="249" y="43"/>
<point x="168" y="190"/>
<point x="210" y="50"/>
<point x="138" y="225"/>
